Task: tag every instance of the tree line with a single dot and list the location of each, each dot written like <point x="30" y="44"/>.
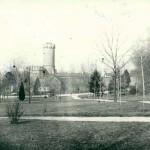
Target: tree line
<point x="97" y="85"/>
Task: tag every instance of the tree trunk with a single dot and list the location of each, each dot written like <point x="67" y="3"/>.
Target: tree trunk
<point x="115" y="86"/>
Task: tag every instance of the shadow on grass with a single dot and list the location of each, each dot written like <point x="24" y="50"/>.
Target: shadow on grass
<point x="70" y="145"/>
<point x="24" y="121"/>
<point x="118" y="145"/>
<point x="20" y="122"/>
<point x="5" y="145"/>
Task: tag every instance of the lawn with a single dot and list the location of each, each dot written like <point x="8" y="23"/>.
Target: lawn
<point x="53" y="135"/>
<point x="69" y="107"/>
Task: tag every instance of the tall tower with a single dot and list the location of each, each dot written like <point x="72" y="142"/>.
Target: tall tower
<point x="49" y="57"/>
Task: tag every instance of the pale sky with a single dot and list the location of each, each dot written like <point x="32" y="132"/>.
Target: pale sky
<point x="75" y="26"/>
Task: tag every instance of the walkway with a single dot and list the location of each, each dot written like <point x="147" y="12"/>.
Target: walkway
<point x="76" y="96"/>
<point x="87" y="119"/>
<point x="145" y="102"/>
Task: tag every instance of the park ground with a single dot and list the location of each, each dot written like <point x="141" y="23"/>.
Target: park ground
<point x="67" y="106"/>
<point x="54" y="135"/>
<point x="62" y="135"/>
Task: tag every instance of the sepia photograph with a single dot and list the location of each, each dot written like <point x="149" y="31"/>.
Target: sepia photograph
<point x="74" y="74"/>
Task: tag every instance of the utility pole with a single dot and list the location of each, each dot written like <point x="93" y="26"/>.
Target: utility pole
<point x="143" y="81"/>
<point x="102" y="76"/>
<point x="100" y="88"/>
<point x="94" y="89"/>
<point x="29" y="79"/>
<point x="136" y="86"/>
<point x="16" y="73"/>
<point x="120" y="86"/>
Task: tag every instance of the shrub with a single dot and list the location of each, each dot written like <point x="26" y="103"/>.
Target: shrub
<point x="14" y="111"/>
<point x="132" y="90"/>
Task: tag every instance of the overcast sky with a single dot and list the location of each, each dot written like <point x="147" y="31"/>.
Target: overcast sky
<point x="75" y="26"/>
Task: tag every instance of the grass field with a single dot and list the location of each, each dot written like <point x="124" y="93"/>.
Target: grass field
<point x="53" y="135"/>
<point x="69" y="107"/>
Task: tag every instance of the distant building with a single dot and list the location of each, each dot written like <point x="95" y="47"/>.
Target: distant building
<point x="53" y="81"/>
<point x="107" y="77"/>
<point x="49" y="84"/>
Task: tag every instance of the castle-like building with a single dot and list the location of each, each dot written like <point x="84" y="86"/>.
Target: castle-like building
<point x="52" y="81"/>
<point x="46" y="80"/>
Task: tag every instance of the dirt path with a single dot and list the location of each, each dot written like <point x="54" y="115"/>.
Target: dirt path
<point x="90" y="119"/>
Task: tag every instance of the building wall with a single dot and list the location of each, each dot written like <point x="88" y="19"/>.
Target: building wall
<point x="74" y="83"/>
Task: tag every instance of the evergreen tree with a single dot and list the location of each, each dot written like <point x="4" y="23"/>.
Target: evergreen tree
<point x="96" y="83"/>
<point x="21" y="92"/>
<point x="126" y="79"/>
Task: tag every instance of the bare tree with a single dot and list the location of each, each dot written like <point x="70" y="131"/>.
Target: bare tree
<point x="17" y="69"/>
<point x="113" y="56"/>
